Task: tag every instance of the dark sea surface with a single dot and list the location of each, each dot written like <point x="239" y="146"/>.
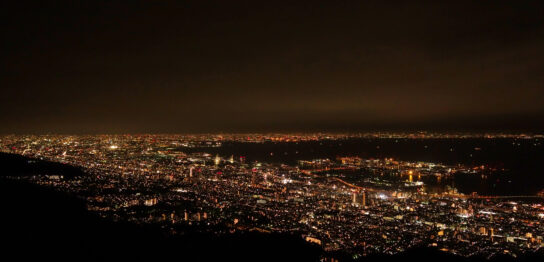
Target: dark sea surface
<point x="521" y="159"/>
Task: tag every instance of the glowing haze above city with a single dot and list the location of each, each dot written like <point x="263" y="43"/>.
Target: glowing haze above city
<point x="272" y="130"/>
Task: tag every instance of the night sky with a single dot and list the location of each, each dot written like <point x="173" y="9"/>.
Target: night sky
<point x="266" y="66"/>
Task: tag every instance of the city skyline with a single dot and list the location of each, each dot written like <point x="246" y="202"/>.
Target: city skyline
<point x="349" y="195"/>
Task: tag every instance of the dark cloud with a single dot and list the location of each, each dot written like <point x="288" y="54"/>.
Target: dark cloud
<point x="198" y="66"/>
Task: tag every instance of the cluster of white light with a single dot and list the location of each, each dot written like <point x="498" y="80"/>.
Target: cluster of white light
<point x="285" y="181"/>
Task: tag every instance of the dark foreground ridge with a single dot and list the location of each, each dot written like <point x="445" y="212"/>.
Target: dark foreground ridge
<point x="39" y="223"/>
<point x="17" y="165"/>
